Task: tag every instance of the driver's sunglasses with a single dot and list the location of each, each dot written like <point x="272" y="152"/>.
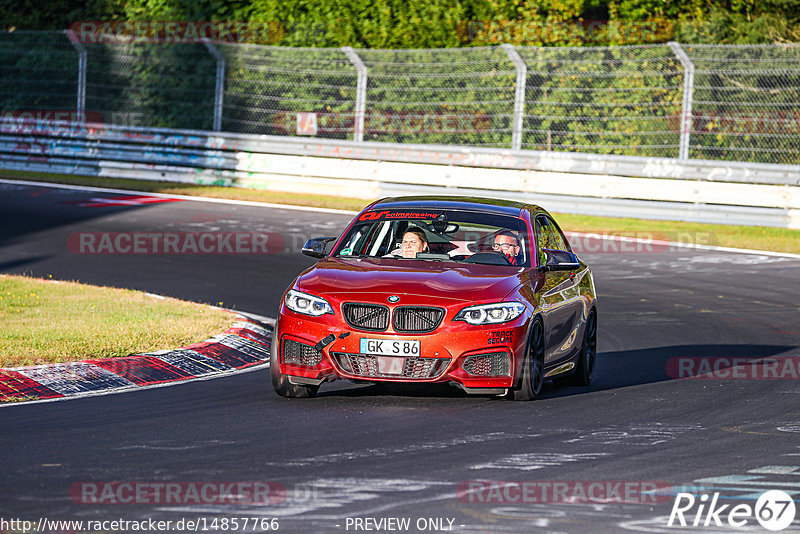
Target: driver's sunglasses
<point x="504" y="246"/>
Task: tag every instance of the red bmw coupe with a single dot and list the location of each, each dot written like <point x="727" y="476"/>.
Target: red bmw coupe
<point x="482" y="294"/>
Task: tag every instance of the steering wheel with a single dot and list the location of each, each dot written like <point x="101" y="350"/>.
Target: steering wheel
<point x="489" y="258"/>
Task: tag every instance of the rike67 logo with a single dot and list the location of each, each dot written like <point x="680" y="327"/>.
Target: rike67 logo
<point x="774" y="510"/>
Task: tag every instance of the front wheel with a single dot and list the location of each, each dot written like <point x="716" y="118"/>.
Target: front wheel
<point x="280" y="382"/>
<point x="585" y="369"/>
<point x="533" y="367"/>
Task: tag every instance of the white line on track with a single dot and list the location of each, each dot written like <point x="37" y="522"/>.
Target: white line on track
<point x="180" y="197"/>
<point x="695" y="246"/>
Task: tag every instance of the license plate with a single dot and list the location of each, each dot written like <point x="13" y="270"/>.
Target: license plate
<point x="390" y="347"/>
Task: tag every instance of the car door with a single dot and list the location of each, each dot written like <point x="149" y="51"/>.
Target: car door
<point x="560" y="296"/>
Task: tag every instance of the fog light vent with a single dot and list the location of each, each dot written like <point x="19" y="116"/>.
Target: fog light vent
<point x="300" y="353"/>
<point x="492" y="364"/>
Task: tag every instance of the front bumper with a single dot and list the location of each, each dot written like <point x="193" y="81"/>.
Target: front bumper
<point x="479" y="359"/>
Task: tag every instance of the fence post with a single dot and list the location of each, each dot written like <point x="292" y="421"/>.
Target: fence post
<point x="519" y="96"/>
<point x="688" y="93"/>
<point x="81" y="71"/>
<point x="361" y="92"/>
<point x="219" y="87"/>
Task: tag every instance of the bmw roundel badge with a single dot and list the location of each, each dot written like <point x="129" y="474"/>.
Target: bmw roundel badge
<point x="393" y="299"/>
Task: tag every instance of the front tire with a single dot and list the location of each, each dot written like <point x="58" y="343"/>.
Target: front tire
<point x="530" y="386"/>
<point x="586" y="362"/>
<point x="280" y="382"/>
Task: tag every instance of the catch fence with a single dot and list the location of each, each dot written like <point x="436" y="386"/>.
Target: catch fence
<point x="717" y="102"/>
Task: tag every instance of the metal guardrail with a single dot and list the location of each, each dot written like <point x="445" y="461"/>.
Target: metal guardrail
<point x="707" y="191"/>
<point x="214" y="144"/>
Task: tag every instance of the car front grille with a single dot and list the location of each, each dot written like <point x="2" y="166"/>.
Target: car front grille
<point x="366" y="316"/>
<point x="406" y="319"/>
<point x="416" y="319"/>
<point x="300" y="353"/>
<point x="412" y="369"/>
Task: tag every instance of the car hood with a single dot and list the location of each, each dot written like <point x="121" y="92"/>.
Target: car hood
<point x="441" y="280"/>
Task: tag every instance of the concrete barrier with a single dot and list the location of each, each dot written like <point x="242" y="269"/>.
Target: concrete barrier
<point x="624" y="186"/>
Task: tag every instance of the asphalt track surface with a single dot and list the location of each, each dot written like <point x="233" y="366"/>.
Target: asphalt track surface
<point x="380" y="453"/>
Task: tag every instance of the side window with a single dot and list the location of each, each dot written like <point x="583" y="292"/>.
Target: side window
<point x="548" y="236"/>
<point x="352" y="243"/>
<point x="561" y="237"/>
<point x="558" y="239"/>
<point x="543" y="237"/>
<point x="358" y="240"/>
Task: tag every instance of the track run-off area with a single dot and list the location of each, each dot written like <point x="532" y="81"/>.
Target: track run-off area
<point x="610" y="457"/>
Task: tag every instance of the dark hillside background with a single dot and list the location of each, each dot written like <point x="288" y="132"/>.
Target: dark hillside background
<point x="444" y="23"/>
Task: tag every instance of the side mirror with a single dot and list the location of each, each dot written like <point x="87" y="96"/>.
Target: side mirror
<point x="559" y="260"/>
<point x="315" y="247"/>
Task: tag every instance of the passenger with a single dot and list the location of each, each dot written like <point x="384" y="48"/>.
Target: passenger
<point x="414" y="240"/>
<point x="507" y="243"/>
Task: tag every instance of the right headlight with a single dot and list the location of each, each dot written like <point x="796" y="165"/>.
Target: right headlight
<point x="300" y="302"/>
<point x="500" y="312"/>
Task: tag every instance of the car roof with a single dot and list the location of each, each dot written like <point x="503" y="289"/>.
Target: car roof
<point x="487" y="205"/>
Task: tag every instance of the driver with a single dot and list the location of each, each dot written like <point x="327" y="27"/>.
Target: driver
<point x="414" y="240"/>
<point x="507" y="243"/>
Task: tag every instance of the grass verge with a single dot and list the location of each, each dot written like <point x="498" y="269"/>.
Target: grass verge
<point x="722" y="235"/>
<point x="45" y="321"/>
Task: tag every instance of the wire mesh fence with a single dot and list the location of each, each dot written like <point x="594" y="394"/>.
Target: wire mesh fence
<point x="266" y="87"/>
<point x="447" y="96"/>
<point x="151" y="84"/>
<point x="746" y="103"/>
<point x="38" y="72"/>
<point x="725" y="102"/>
<point x="623" y="100"/>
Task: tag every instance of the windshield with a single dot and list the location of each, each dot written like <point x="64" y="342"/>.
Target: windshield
<point x="438" y="235"/>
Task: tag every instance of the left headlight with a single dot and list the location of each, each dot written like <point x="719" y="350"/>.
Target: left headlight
<point x="500" y="312"/>
<point x="306" y="304"/>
